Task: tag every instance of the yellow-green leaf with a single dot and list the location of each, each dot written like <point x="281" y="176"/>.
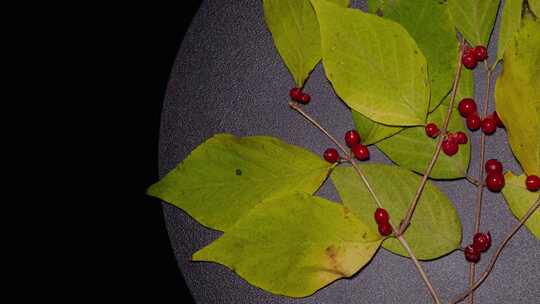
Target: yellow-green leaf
<point x="294" y="245"/>
<point x="435" y="228"/>
<point x="534" y="5"/>
<point x="374" y="65"/>
<point x="295" y="30"/>
<point x="510" y="22"/>
<point x="520" y="199"/>
<point x="226" y="176"/>
<point x="370" y="131"/>
<point x="412" y="149"/>
<point x="517" y="95"/>
<point x="474" y="19"/>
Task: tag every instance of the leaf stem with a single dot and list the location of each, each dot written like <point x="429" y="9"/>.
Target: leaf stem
<point x="412" y="207"/>
<point x="360" y="173"/>
<point x="494" y="258"/>
<point x="480" y="189"/>
<point x="473" y="180"/>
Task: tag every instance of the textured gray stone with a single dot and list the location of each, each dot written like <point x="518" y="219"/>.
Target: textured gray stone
<point x="228" y="77"/>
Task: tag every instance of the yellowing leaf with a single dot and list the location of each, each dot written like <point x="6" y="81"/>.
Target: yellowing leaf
<point x="474" y="19"/>
<point x="520" y="199"/>
<point x="370" y="131"/>
<point x="534" y="5"/>
<point x="510" y="22"/>
<point x="435" y="228"/>
<point x="294" y="245"/>
<point x="226" y="176"/>
<point x="295" y="30"/>
<point x="517" y="94"/>
<point x="374" y="65"/>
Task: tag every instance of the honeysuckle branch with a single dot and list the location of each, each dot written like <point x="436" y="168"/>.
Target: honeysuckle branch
<point x="494" y="258"/>
<point x="480" y="187"/>
<point x="362" y="176"/>
<point x="412" y="207"/>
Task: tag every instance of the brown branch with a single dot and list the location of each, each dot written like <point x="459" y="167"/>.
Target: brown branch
<point x="489" y="268"/>
<point x="412" y="207"/>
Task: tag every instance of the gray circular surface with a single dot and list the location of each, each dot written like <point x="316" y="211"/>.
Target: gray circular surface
<point x="228" y="77"/>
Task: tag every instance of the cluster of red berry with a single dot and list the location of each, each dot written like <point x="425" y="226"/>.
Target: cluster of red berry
<point x="450" y="145"/>
<point x="472" y="56"/>
<point x="467" y="108"/>
<point x="352" y="138"/>
<point x="481" y="243"/>
<point x="297" y="95"/>
<point x="494" y="178"/>
<point x="383" y="221"/>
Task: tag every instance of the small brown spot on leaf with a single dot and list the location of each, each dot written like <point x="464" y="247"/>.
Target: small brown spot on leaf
<point x="238" y="172"/>
<point x="379" y="12"/>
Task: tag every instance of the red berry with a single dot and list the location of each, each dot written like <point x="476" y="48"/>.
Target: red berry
<point x="385" y="229"/>
<point x="432" y="130"/>
<point x="481" y="242"/>
<point x="472" y="255"/>
<point x="360" y="151"/>
<point x="381" y="216"/>
<point x="331" y="155"/>
<point x="295" y="93"/>
<point x="495" y="181"/>
<point x="469" y="61"/>
<point x="466" y="107"/>
<point x="474" y="122"/>
<point x="352" y="138"/>
<point x="494" y="166"/>
<point x="489" y="125"/>
<point x="304" y="98"/>
<point x="497" y="119"/>
<point x="533" y="183"/>
<point x="480" y="53"/>
<point x="450" y="147"/>
<point x="461" y="138"/>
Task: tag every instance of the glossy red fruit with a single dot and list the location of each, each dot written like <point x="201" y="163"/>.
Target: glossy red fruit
<point x="304" y="98"/>
<point x="381" y="216"/>
<point x="481" y="242"/>
<point x="495" y="181"/>
<point x="461" y="138"/>
<point x="466" y="107"/>
<point x="360" y="151"/>
<point x="480" y="53"/>
<point x="432" y="130"/>
<point x="489" y="125"/>
<point x="385" y="229"/>
<point x="295" y="93"/>
<point x="497" y="119"/>
<point x="532" y="182"/>
<point x="493" y="166"/>
<point x="331" y="155"/>
<point x="450" y="147"/>
<point x="469" y="60"/>
<point x="474" y="122"/>
<point x="472" y="255"/>
<point x="352" y="138"/>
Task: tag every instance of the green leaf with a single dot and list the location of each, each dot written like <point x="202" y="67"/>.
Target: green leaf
<point x="295" y="30"/>
<point x="374" y="65"/>
<point x="294" y="245"/>
<point x="474" y="19"/>
<point x="435" y="228"/>
<point x="510" y="22"/>
<point x="412" y="149"/>
<point x="517" y="95"/>
<point x="534" y="5"/>
<point x="225" y="177"/>
<point x="428" y="22"/>
<point x="520" y="199"/>
<point x="370" y="131"/>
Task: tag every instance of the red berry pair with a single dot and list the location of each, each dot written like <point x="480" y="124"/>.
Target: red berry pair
<point x="495" y="178"/>
<point x="451" y="144"/>
<point x="467" y="108"/>
<point x="532" y="182"/>
<point x="383" y="221"/>
<point x="481" y="243"/>
<point x="352" y="138"/>
<point x="297" y="95"/>
<point x="472" y="56"/>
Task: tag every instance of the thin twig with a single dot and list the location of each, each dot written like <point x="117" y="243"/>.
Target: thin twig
<point x="412" y="207"/>
<point x="360" y="173"/>
<point x="480" y="189"/>
<point x="489" y="268"/>
<point x="473" y="180"/>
